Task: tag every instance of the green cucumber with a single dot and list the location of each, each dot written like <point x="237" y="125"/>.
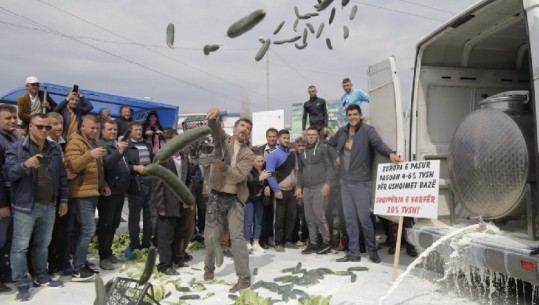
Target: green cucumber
<point x="324" y="4"/>
<point x="353" y="12"/>
<point x="210" y="48"/>
<point x="300" y="47"/>
<point x="295" y="27"/>
<point x="246" y="23"/>
<point x="296" y="10"/>
<point x="263" y="49"/>
<point x="190" y="297"/>
<point x="172" y="182"/>
<point x="320" y="29"/>
<point x="304" y="37"/>
<point x="100" y="292"/>
<point x="179" y="142"/>
<point x="148" y="268"/>
<point x="170" y="35"/>
<point x="346" y="31"/>
<point x="279" y="27"/>
<point x="332" y="15"/>
<point x="328" y="43"/>
<point x="344" y="2"/>
<point x="311" y="27"/>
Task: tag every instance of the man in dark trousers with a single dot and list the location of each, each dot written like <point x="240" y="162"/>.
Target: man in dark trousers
<point x="317" y="111"/>
<point x="8" y="124"/>
<point x="117" y="176"/>
<point x="172" y="214"/>
<point x="281" y="164"/>
<point x="354" y="144"/>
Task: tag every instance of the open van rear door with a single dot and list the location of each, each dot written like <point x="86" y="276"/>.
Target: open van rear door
<point x="385" y="108"/>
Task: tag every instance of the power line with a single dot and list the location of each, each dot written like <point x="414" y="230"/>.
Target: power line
<point x="429" y="7"/>
<point x="396" y="10"/>
<point x="220" y="94"/>
<point x="151" y="50"/>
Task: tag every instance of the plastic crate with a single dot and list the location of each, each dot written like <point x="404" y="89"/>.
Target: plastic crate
<point x="126" y="291"/>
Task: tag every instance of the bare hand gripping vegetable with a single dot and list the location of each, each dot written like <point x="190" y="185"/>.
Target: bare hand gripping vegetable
<point x="170" y="35"/>
<point x="172" y="182"/>
<point x="246" y="23"/>
<point x="263" y="49"/>
<point x="100" y="293"/>
<point x="148" y="268"/>
<point x="178" y="143"/>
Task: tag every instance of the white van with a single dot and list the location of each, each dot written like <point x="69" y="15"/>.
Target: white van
<point x="474" y="108"/>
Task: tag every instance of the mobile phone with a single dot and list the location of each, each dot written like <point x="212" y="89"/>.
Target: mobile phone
<point x="75" y="88"/>
<point x="126" y="134"/>
<point x="106" y="146"/>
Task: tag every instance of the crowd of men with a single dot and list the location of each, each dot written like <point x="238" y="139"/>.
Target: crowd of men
<point x="63" y="164"/>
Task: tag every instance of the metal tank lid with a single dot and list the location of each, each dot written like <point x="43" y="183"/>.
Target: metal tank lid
<point x="508" y="96"/>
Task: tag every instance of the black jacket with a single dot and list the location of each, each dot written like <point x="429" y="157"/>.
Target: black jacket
<point x="317" y="111"/>
<point x="315" y="166"/>
<point x="164" y="199"/>
<point x="123" y="125"/>
<point x="6" y="140"/>
<point x="255" y="186"/>
<point x="117" y="173"/>
<point x="132" y="156"/>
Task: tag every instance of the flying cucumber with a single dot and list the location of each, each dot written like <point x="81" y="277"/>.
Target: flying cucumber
<point x="210" y="48"/>
<point x="263" y="49"/>
<point x="279" y="27"/>
<point x="320" y="29"/>
<point x="178" y="143"/>
<point x="353" y="12"/>
<point x="148" y="268"/>
<point x="324" y="4"/>
<point x="332" y="15"/>
<point x="170" y="35"/>
<point x="246" y="23"/>
<point x="172" y="182"/>
<point x="346" y="31"/>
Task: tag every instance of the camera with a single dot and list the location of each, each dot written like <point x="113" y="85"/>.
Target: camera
<point x="75" y="88"/>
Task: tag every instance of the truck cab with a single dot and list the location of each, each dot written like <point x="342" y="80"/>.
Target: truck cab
<point x="474" y="108"/>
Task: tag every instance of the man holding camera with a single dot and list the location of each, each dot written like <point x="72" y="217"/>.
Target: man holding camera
<point x="73" y="109"/>
<point x="35" y="169"/>
<point x="84" y="157"/>
<point x="110" y="207"/>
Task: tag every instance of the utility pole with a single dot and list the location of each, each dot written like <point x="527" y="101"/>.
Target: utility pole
<point x="267" y="80"/>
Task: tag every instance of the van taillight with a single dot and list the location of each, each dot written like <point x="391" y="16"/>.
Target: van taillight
<point x="527" y="266"/>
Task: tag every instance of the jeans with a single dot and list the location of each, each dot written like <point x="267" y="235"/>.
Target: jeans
<point x="254" y="211"/>
<point x="356" y="202"/>
<point x="83" y="210"/>
<point x="137" y="203"/>
<point x="109" y="209"/>
<point x="37" y="225"/>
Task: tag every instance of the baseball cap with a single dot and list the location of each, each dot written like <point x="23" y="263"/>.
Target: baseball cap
<point x="32" y="80"/>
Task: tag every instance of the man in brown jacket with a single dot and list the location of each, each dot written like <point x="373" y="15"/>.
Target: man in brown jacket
<point x="84" y="157"/>
<point x="33" y="102"/>
<point x="228" y="182"/>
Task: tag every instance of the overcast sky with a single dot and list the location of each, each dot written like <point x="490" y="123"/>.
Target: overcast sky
<point x="119" y="47"/>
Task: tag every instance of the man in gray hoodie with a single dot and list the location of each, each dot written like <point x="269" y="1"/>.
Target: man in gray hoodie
<point x="315" y="173"/>
<point x="355" y="144"/>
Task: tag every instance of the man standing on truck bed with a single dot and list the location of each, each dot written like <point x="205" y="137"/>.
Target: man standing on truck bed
<point x="353" y="97"/>
<point x="317" y="110"/>
<point x="354" y="144"/>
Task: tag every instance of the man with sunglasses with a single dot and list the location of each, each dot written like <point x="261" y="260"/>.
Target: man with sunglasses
<point x="33" y="102"/>
<point x="35" y="169"/>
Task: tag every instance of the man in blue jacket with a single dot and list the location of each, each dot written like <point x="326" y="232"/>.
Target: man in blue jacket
<point x="35" y="169"/>
<point x="355" y="144"/>
<point x="281" y="164"/>
<point x="353" y="97"/>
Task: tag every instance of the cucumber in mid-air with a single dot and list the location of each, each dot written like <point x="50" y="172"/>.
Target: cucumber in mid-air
<point x="210" y="48"/>
<point x="263" y="49"/>
<point x="179" y="142"/>
<point x="246" y="23"/>
<point x="148" y="268"/>
<point x="170" y="35"/>
<point x="172" y="182"/>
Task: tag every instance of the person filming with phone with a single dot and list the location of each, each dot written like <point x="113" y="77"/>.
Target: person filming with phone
<point x="73" y="109"/>
<point x="35" y="169"/>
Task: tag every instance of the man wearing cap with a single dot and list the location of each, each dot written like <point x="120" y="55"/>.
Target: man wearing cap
<point x="33" y="102"/>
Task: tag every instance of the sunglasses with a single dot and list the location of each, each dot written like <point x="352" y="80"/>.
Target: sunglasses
<point x="35" y="85"/>
<point x="43" y="127"/>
